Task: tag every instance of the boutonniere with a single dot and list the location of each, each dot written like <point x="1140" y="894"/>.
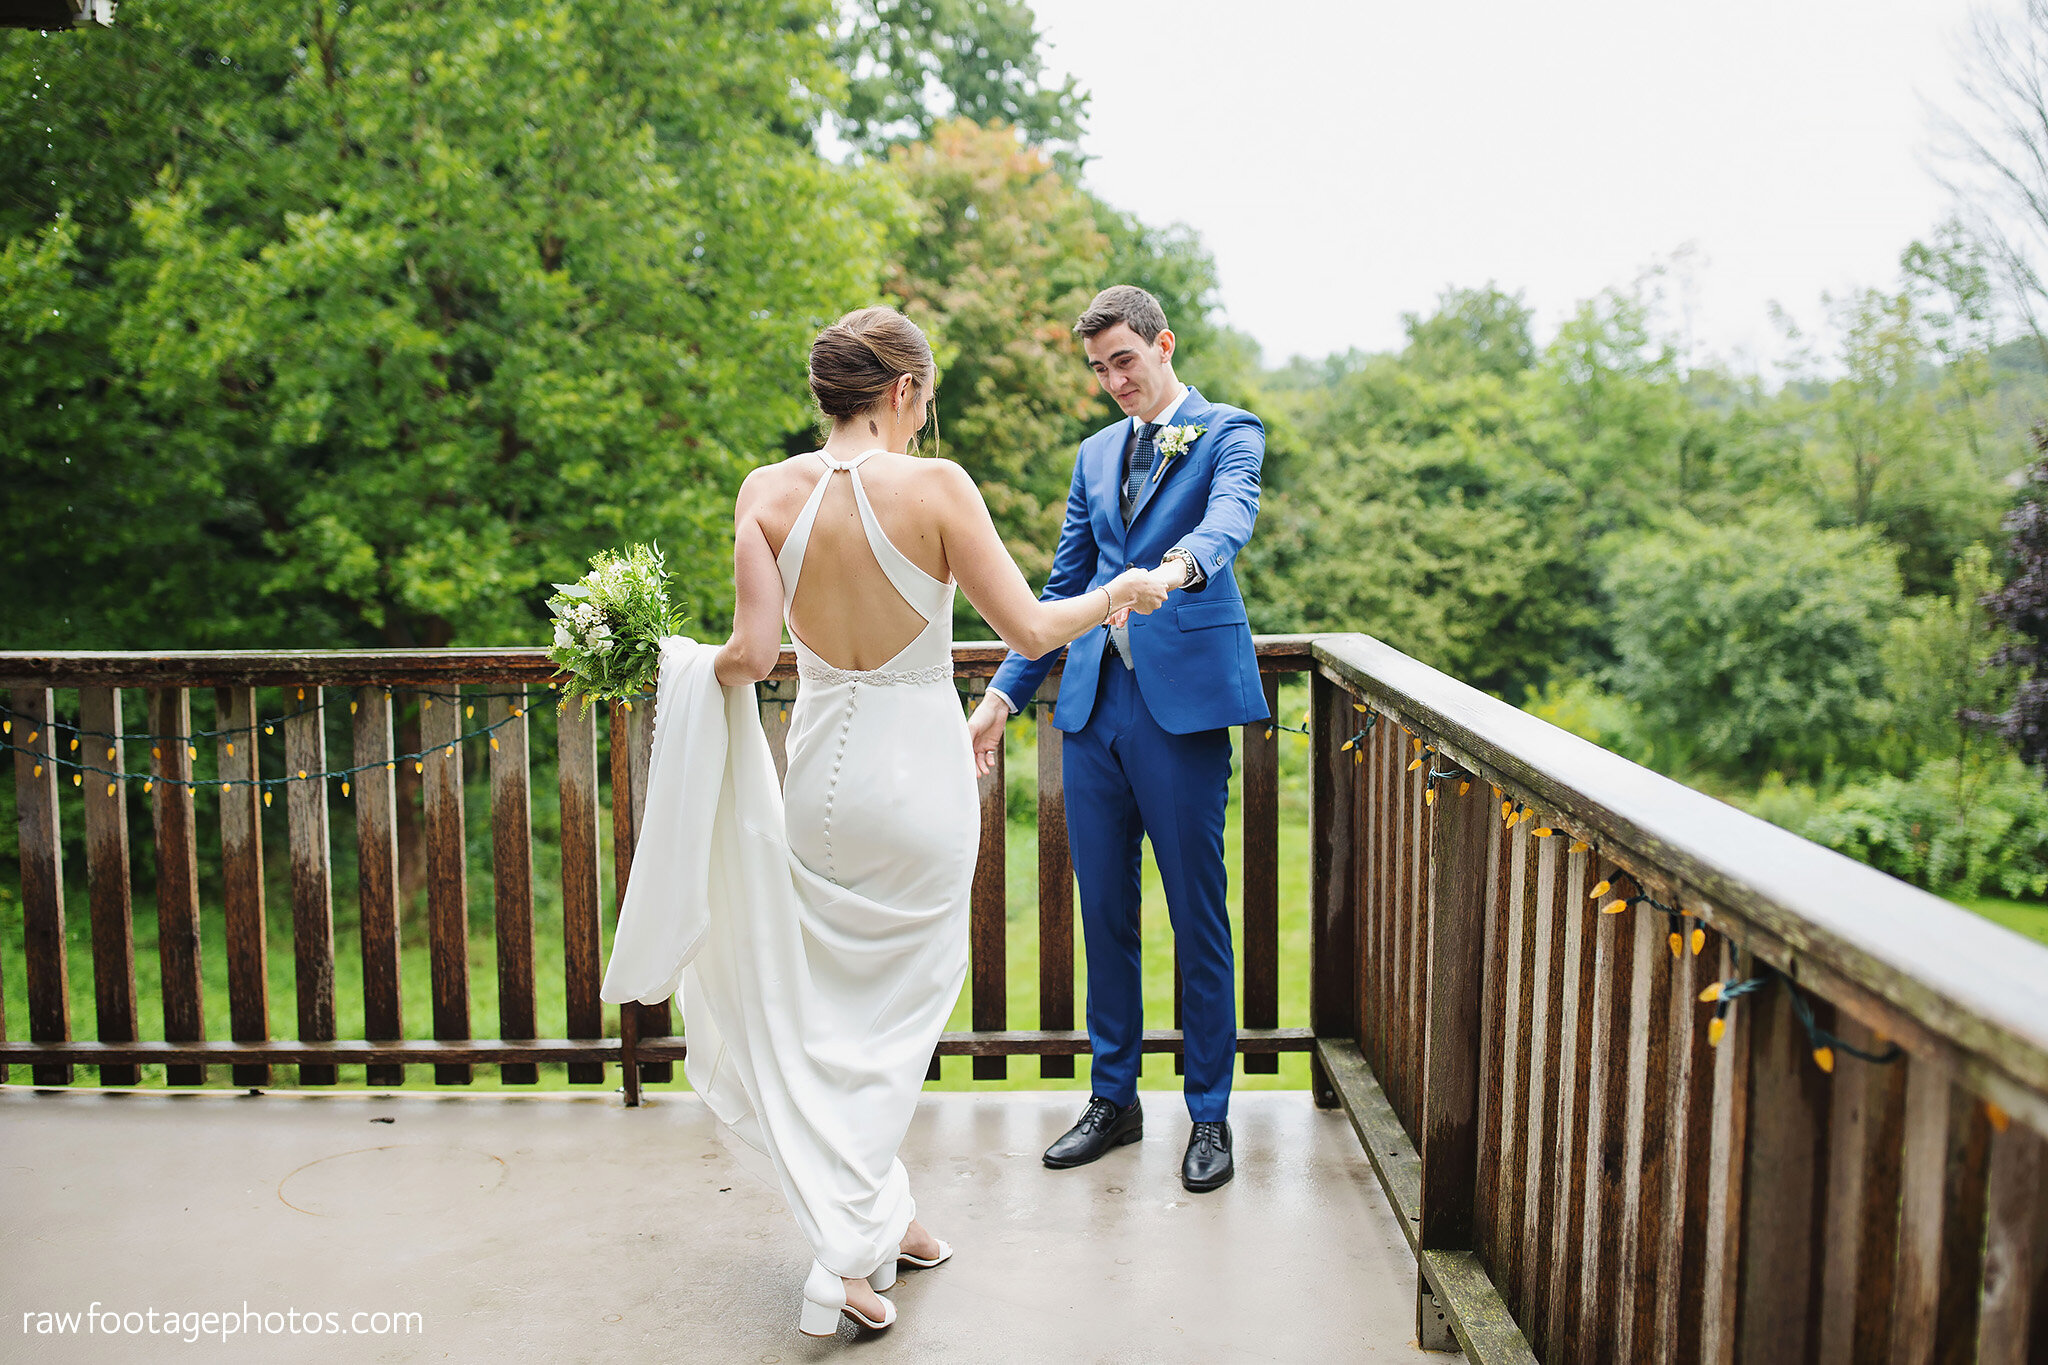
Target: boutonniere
<point x="1174" y="441"/>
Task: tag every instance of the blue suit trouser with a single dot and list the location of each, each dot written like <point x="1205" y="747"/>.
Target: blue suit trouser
<point x="1126" y="778"/>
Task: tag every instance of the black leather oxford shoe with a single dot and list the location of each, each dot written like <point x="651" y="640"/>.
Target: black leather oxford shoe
<point x="1207" y="1166"/>
<point x="1102" y="1127"/>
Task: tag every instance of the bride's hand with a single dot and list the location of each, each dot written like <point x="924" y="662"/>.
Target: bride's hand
<point x="985" y="732"/>
<point x="1139" y="590"/>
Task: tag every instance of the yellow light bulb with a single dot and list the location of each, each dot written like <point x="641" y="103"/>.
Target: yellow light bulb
<point x="110" y="755"/>
<point x="1429" y="797"/>
<point x="1579" y="846"/>
<point x="351" y="708"/>
<point x="146" y="785"/>
<point x="78" y="779"/>
<point x="1543" y="831"/>
<point x="1711" y="994"/>
<point x="1464" y="787"/>
<point x="1716" y="1031"/>
<point x="231" y="749"/>
<point x="344" y="789"/>
<point x="1613" y="907"/>
<point x="1824" y="1058"/>
<point x="1414" y="764"/>
<point x="1699" y="940"/>
<point x="270" y="729"/>
<point x="1598" y="891"/>
<point x="266" y="798"/>
<point x="39" y="770"/>
<point x="469" y="710"/>
<point x="302" y="774"/>
<point x="494" y="743"/>
<point x="2000" y="1120"/>
<point x="1675" y="945"/>
<point x="1359" y="706"/>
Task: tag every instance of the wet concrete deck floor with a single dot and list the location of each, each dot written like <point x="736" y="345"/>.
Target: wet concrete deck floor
<point x="568" y="1228"/>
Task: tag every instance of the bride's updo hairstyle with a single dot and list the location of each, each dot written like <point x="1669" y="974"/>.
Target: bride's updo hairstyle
<point x="856" y="359"/>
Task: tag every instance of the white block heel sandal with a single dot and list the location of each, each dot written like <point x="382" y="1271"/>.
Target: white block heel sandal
<point x="945" y="1253"/>
<point x="825" y="1300"/>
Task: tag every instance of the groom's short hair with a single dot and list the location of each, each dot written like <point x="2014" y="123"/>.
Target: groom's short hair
<point x="1125" y="303"/>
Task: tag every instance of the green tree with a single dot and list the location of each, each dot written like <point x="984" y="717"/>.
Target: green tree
<point x="356" y="324"/>
<point x="1755" y="645"/>
<point x="914" y="64"/>
<point x="1004" y="257"/>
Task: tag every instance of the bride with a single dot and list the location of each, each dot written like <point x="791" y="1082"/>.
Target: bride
<point x="857" y="549"/>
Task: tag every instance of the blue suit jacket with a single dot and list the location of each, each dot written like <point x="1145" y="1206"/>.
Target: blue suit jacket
<point x="1195" y="663"/>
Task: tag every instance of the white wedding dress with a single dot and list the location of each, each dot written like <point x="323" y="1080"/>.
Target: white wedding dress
<point x="817" y="955"/>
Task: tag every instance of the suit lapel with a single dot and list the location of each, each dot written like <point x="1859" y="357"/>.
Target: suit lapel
<point x="1193" y="412"/>
<point x="1107" y="460"/>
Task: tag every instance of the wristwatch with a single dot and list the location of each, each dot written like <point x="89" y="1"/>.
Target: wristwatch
<point x="1188" y="576"/>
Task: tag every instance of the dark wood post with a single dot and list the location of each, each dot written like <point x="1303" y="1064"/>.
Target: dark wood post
<point x="42" y="879"/>
<point x="109" y="896"/>
<point x="1451" y="1044"/>
<point x="177" y="876"/>
<point x="1333" y="920"/>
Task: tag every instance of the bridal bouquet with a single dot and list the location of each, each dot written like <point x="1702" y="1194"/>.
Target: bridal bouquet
<point x="609" y="624"/>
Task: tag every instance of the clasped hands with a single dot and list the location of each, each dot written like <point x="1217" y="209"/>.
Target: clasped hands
<point x="1143" y="591"/>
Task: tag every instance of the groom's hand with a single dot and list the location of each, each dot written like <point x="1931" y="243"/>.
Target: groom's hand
<point x="985" y="732"/>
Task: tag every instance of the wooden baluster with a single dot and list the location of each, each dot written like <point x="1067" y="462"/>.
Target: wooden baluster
<point x="42" y="878"/>
<point x="1055" y="897"/>
<point x="241" y="845"/>
<point x="632" y="745"/>
<point x="1449" y="1091"/>
<point x="1568" y="1165"/>
<point x="1941" y="1218"/>
<point x="774" y="700"/>
<point x="305" y="758"/>
<point x="1333" y="922"/>
<point x="576" y="773"/>
<point x="108" y="894"/>
<point x="1488" y="1237"/>
<point x="1399" y="882"/>
<point x="1606" y="1074"/>
<point x="1866" y="1125"/>
<point x="1566" y="878"/>
<point x="1778" y="1271"/>
<point x="1727" y="1144"/>
<point x="987" y="925"/>
<point x="1365" y="811"/>
<point x="1680" y="1266"/>
<point x="1646" y="1127"/>
<point x="1510" y="946"/>
<point x="1422" y="871"/>
<point x="1375" y="912"/>
<point x="1261" y="891"/>
<point x="177" y="877"/>
<point x="512" y="874"/>
<point x="2015" y="1309"/>
<point x="374" y="791"/>
<point x="447" y="877"/>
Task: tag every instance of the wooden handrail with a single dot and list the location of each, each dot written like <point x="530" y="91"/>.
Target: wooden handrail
<point x="1931" y="975"/>
<point x="420" y="667"/>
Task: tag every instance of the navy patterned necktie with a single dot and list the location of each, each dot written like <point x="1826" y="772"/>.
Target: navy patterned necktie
<point x="1141" y="466"/>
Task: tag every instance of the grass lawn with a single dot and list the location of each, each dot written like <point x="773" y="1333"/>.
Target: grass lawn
<point x="2022" y="917"/>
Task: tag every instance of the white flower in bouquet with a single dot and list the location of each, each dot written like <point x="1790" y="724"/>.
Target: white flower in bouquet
<point x="609" y="625"/>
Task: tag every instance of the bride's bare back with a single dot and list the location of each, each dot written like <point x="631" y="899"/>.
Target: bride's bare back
<point x="846" y="610"/>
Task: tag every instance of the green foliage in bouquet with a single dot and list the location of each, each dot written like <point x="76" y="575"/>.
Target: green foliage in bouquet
<point x="609" y="625"/>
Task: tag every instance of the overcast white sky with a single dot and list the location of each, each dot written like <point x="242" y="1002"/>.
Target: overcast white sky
<point x="1345" y="160"/>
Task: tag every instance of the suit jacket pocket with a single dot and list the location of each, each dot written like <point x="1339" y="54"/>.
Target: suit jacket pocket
<point x="1202" y="615"/>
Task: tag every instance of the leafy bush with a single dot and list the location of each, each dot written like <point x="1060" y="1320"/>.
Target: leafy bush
<point x="1956" y="828"/>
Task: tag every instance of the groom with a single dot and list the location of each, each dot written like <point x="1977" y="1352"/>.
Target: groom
<point x="1146" y="705"/>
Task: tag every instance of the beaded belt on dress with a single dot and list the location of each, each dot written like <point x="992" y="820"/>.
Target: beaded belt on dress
<point x="829" y="676"/>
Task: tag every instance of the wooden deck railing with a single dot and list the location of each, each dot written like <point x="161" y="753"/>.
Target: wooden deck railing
<point x="76" y="755"/>
<point x="1583" y="1174"/>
